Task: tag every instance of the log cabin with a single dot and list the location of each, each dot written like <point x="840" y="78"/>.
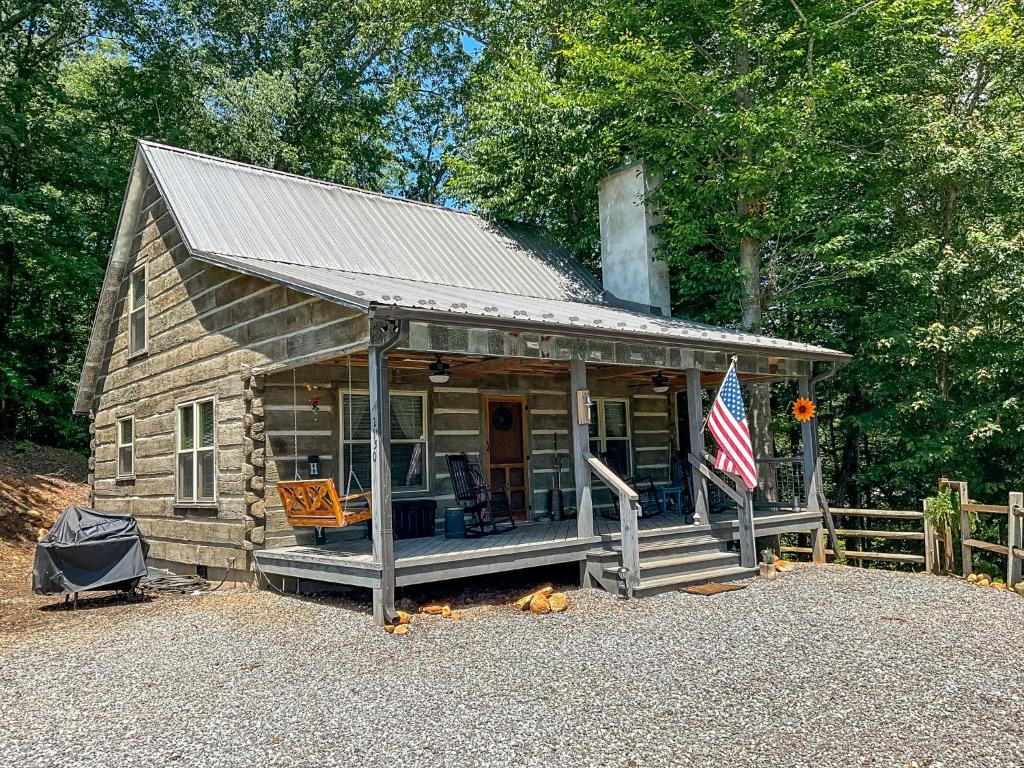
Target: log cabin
<point x="282" y="374"/>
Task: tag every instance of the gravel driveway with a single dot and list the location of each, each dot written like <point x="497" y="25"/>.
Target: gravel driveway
<point x="828" y="666"/>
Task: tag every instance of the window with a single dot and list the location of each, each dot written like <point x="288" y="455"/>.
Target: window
<point x="197" y="466"/>
<point x="408" y="440"/>
<point x="126" y="446"/>
<point x="609" y="434"/>
<point x="137" y="312"/>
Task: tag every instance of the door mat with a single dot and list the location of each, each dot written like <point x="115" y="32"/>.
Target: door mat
<point x="713" y="588"/>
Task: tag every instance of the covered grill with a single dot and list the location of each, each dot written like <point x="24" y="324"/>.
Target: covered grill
<point x="89" y="549"/>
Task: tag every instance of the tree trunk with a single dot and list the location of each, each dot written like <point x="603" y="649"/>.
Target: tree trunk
<point x="747" y="208"/>
<point x="760" y="414"/>
<point x="846" y="489"/>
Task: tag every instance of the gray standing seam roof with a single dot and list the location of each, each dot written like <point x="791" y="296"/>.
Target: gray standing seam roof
<point x="368" y="249"/>
<point x="241" y="210"/>
<point x="446" y="302"/>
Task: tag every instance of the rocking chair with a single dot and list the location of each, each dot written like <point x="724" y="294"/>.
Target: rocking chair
<point x="650" y="499"/>
<point x="482" y="506"/>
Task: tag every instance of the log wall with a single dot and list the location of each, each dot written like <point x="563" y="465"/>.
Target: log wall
<point x="207" y="327"/>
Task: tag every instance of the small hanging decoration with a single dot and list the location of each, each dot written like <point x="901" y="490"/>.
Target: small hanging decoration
<point x="315" y="400"/>
<point x="803" y="409"/>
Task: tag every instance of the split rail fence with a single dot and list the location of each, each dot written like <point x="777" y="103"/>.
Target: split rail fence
<point x="1012" y="550"/>
<point x="936" y="553"/>
<point x="918" y="529"/>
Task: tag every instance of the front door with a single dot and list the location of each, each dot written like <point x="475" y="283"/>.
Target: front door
<point x="506" y="451"/>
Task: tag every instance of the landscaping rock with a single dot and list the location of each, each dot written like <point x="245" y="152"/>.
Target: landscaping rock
<point x="539" y="604"/>
<point x="615" y="682"/>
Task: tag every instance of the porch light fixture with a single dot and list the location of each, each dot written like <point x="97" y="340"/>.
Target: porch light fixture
<point x="440" y="371"/>
<point x="659" y="383"/>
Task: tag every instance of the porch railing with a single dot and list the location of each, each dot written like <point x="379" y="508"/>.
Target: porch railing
<point x="629" y="511"/>
<point x="781" y="483"/>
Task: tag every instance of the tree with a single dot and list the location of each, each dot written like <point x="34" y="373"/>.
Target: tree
<point x="344" y="92"/>
<point x="839" y="172"/>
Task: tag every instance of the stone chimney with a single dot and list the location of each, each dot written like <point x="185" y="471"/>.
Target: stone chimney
<point x="629" y="270"/>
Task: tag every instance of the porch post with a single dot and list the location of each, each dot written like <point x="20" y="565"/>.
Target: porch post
<point x="580" y="449"/>
<point x="695" y="420"/>
<point x="380" y="483"/>
<point x="808" y="437"/>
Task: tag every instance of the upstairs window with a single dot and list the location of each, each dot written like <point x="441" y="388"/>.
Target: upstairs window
<point x="126" y="447"/>
<point x="609" y="434"/>
<point x="197" y="465"/>
<point x="137" y="312"/>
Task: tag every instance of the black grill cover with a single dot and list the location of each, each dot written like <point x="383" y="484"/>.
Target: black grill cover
<point x="88" y="549"/>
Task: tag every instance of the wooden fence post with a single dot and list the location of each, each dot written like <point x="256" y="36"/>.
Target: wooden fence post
<point x="1014" y="535"/>
<point x="966" y="553"/>
<point x="818" y="545"/>
<point x="930" y="559"/>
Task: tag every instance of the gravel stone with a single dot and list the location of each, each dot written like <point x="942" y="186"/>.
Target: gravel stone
<point x="825" y="666"/>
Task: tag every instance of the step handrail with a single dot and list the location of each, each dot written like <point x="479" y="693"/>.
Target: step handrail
<point x="629" y="508"/>
<point x="744" y="507"/>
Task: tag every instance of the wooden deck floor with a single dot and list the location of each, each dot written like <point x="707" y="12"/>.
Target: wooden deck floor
<point x="436" y="558"/>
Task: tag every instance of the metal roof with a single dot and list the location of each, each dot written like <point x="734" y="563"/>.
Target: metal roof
<point x="430" y="301"/>
<point x="233" y="209"/>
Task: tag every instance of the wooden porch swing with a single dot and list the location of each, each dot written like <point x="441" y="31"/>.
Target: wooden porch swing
<point x="315" y="502"/>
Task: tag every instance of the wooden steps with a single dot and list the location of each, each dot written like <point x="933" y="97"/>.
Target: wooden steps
<point x="658" y="567"/>
<point x="671" y="558"/>
<point x="680" y="581"/>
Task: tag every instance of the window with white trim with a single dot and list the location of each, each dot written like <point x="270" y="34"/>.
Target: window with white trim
<point x="126" y="446"/>
<point x="197" y="463"/>
<point x="408" y="440"/>
<point x="137" y="312"/>
<point x="610" y="437"/>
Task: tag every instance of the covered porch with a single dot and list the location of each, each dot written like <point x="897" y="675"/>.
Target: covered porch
<point x="580" y="412"/>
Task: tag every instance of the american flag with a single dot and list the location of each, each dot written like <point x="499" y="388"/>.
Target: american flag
<point x="728" y="424"/>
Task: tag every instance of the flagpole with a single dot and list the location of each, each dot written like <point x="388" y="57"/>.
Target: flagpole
<point x="732" y="364"/>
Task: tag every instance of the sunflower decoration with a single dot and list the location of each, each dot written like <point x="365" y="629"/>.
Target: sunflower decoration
<point x="803" y="409"/>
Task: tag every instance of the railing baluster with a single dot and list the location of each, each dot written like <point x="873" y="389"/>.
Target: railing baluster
<point x="789" y="480"/>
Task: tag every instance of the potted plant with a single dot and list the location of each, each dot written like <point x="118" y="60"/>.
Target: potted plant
<point x="767" y="565"/>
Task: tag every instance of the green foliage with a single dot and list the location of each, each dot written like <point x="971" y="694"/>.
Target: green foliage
<point x="350" y="92"/>
<point x="869" y="154"/>
<point x="943" y="511"/>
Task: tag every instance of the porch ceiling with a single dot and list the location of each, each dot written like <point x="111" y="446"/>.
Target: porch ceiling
<point x="473" y="367"/>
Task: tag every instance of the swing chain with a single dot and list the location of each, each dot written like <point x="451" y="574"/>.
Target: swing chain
<point x="295" y="425"/>
<point x="350" y="428"/>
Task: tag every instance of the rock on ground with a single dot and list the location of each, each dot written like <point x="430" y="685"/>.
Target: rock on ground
<point x="827" y="666"/>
